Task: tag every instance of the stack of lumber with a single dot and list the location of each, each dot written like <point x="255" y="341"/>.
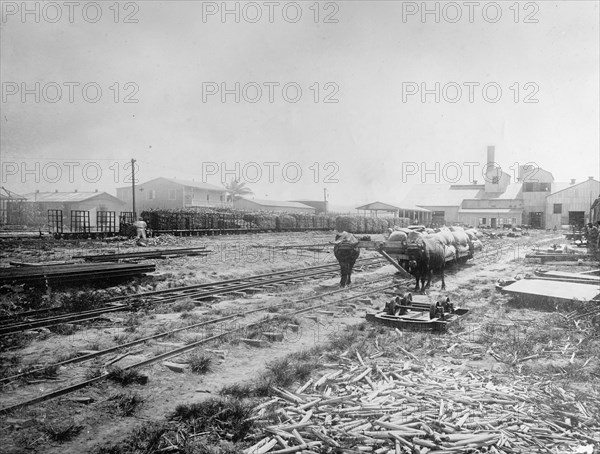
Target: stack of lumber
<point x="200" y="250"/>
<point x="71" y="273"/>
<point x="391" y="406"/>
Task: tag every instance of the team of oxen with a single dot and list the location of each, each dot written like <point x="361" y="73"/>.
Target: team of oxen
<point x="428" y="251"/>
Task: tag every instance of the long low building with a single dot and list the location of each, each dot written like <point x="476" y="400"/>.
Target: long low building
<point x="417" y="214"/>
<point x="73" y="210"/>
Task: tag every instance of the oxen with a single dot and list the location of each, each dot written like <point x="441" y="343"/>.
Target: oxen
<point x="346" y="252"/>
<point x="427" y="255"/>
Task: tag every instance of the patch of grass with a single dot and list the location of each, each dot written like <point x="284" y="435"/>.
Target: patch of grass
<point x="64" y="329"/>
<point x="146" y="439"/>
<point x="61" y="432"/>
<point x="126" y="404"/>
<point x="132" y="322"/>
<point x="126" y="376"/>
<point x="285" y="318"/>
<point x="48" y="372"/>
<point x="93" y="346"/>
<point x="281" y="371"/>
<point x="65" y="356"/>
<point x="14" y="341"/>
<point x="9" y="365"/>
<point x="93" y="372"/>
<point x="184" y="305"/>
<point x="120" y="339"/>
<point x="191" y="317"/>
<point x="200" y="363"/>
<point x="224" y="418"/>
<point x="84" y="300"/>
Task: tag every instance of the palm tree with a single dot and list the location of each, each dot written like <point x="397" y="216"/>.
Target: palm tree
<point x="236" y="189"/>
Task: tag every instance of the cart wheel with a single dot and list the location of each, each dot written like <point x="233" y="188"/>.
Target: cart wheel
<point x="432" y="310"/>
<point x="440" y="311"/>
<point x="390" y="307"/>
<point x="448" y="307"/>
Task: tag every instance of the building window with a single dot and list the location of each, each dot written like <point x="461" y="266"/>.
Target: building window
<point x="172" y="194"/>
<point x="151" y="194"/>
<point x="208" y="197"/>
<point x="557" y="208"/>
<point x="483" y="221"/>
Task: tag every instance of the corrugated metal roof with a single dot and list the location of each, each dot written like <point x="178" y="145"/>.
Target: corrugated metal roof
<point x="378" y="206"/>
<point x="278" y="203"/>
<point x="194" y="184"/>
<point x="560" y="186"/>
<point x="191" y="183"/>
<point x="66" y="196"/>
<point x="13" y="197"/>
<point x="386" y="206"/>
<point x="438" y="195"/>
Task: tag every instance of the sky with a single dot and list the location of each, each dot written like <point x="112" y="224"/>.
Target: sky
<point x="191" y="93"/>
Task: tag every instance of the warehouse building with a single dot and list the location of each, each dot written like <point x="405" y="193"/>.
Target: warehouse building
<point x="571" y="205"/>
<point x="416" y="214"/>
<point x="172" y="193"/>
<point x="76" y="211"/>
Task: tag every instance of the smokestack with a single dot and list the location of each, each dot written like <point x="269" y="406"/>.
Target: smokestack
<point x="572" y="180"/>
<point x="491" y="154"/>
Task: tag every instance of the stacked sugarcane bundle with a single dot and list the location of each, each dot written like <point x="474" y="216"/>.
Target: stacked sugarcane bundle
<point x="391" y="406"/>
<point x="352" y="224"/>
<point x="303" y="221"/>
<point x="370" y="225"/>
<point x="381" y="225"/>
<point x="286" y="222"/>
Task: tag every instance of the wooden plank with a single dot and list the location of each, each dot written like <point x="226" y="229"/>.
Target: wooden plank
<point x="564" y="274"/>
<point x="403" y="272"/>
<point x="553" y="289"/>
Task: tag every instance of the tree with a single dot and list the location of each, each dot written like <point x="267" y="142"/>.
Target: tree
<point x="236" y="189"/>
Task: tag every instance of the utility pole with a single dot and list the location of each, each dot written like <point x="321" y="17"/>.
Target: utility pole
<point x="133" y="188"/>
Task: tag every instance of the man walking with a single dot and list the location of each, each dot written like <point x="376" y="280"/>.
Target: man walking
<point x="140" y="227"/>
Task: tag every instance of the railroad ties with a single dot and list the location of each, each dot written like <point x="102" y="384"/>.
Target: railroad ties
<point x="199" y="293"/>
<point x="77" y="272"/>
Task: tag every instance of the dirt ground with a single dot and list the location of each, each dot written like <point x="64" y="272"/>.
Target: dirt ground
<point x="495" y="335"/>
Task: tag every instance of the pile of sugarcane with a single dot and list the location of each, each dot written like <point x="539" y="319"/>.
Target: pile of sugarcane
<point x="391" y="406"/>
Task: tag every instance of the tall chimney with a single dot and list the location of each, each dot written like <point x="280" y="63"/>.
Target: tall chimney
<point x="490" y="154"/>
<point x="572" y="180"/>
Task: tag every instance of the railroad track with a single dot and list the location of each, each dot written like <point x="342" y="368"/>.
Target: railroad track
<point x="178" y="351"/>
<point x="198" y="292"/>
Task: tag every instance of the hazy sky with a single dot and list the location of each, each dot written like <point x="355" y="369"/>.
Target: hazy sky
<point x="369" y="61"/>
